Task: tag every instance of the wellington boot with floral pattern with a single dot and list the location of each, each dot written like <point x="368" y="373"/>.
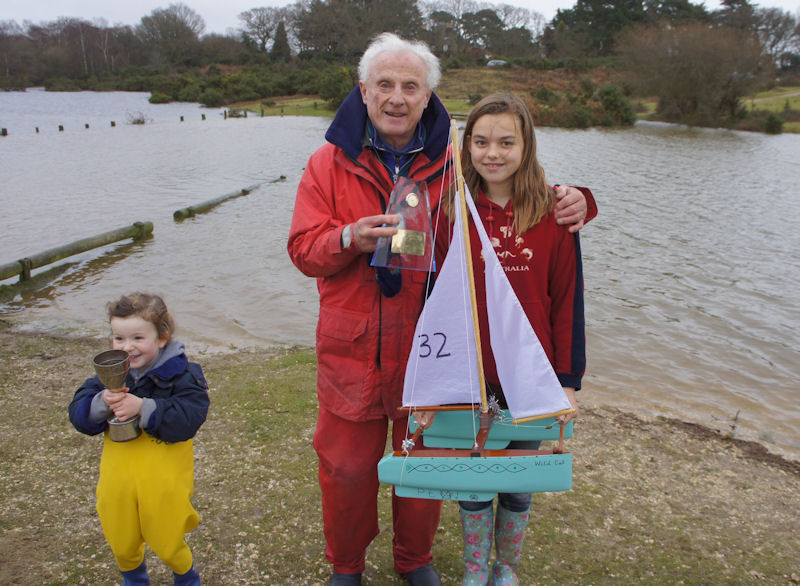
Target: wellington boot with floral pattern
<point x="509" y="535"/>
<point x="477" y="528"/>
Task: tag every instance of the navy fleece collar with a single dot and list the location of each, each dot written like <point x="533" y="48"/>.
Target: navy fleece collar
<point x="396" y="161"/>
<point x="347" y="129"/>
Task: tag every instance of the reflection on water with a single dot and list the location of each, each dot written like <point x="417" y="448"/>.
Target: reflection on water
<point x="692" y="287"/>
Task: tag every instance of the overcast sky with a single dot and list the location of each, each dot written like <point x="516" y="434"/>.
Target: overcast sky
<point x="220" y="16"/>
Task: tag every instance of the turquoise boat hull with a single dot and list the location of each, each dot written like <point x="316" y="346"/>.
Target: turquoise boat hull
<point x="474" y="478"/>
<point x="457" y="429"/>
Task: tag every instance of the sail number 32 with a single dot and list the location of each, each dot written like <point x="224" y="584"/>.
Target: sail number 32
<point x="437" y="339"/>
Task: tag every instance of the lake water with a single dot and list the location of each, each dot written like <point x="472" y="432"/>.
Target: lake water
<point x="692" y="277"/>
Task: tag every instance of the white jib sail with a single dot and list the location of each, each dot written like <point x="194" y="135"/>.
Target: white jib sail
<point x="442" y="366"/>
<point x="529" y="383"/>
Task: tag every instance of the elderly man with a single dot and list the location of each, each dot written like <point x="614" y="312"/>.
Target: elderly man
<point x="391" y="126"/>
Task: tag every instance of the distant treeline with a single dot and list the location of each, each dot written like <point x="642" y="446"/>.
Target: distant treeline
<point x="311" y="47"/>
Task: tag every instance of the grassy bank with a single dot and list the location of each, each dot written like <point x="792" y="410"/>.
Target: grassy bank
<point x="783" y="101"/>
<point x="461" y="87"/>
<point x="653" y="502"/>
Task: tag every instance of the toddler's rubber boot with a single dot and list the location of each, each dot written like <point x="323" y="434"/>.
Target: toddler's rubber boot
<point x="190" y="578"/>
<point x="136" y="577"/>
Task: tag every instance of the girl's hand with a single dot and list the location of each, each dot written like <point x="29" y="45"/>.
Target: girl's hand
<point x="570" y="207"/>
<point x="567" y="417"/>
<point x="128" y="406"/>
<point x="424" y="418"/>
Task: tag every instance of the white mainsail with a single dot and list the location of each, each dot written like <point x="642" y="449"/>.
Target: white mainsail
<point x="442" y="365"/>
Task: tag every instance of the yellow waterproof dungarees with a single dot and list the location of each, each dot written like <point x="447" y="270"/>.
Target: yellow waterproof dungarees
<point x="144" y="496"/>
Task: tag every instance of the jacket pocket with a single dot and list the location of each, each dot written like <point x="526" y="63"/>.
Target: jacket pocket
<point x="341" y="324"/>
<point x="344" y="362"/>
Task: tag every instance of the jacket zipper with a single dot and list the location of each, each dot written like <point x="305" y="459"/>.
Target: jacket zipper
<point x="429" y="178"/>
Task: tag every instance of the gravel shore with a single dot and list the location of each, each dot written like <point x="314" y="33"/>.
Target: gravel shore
<point x="654" y="501"/>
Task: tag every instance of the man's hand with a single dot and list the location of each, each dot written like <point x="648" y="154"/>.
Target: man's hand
<point x="570" y="207"/>
<point x="366" y="231"/>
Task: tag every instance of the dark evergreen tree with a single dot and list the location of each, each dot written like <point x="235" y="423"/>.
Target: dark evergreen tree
<point x="675" y="12"/>
<point x="737" y="14"/>
<point x="280" y="46"/>
<point x="595" y="23"/>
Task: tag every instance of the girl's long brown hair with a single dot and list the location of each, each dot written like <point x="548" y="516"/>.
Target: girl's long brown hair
<point x="531" y="199"/>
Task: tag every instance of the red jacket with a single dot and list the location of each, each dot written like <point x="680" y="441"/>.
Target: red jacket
<point x="363" y="338"/>
<point x="544" y="268"/>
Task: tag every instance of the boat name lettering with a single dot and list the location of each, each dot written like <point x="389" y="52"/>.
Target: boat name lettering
<point x="550" y="462"/>
<point x="446" y="494"/>
<point x="425" y="349"/>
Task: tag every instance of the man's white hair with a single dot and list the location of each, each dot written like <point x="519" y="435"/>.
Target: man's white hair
<point x="391" y="43"/>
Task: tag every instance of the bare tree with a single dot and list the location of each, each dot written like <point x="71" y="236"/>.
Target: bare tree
<point x="459" y="7"/>
<point x="778" y="31"/>
<point x="14" y="48"/>
<point x="172" y="33"/>
<point x="699" y="73"/>
<point x="259" y="25"/>
<point x="341" y="29"/>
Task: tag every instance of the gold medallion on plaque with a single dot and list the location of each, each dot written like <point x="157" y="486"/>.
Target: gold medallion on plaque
<point x="409" y="242"/>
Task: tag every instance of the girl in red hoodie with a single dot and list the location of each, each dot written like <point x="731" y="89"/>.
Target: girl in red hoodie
<point x="543" y="263"/>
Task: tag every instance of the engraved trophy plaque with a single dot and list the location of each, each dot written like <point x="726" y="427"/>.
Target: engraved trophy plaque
<point x="412" y="246"/>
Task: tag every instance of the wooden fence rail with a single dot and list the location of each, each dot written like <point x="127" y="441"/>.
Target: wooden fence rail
<point x="23" y="267"/>
<point x="199" y="208"/>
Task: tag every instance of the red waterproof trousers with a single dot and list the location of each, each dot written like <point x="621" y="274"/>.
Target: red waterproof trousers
<point x="349" y="452"/>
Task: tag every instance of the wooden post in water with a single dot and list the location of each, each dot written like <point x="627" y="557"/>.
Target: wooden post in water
<point x="86" y="125"/>
<point x="3" y="132"/>
<point x="113" y="124"/>
<point x="61" y="128"/>
<point x="190" y="211"/>
<point x="23" y="267"/>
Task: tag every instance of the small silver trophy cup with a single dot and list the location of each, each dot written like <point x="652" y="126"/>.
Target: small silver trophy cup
<point x="111" y="367"/>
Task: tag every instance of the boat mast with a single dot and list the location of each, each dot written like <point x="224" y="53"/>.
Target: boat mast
<point x="465" y="225"/>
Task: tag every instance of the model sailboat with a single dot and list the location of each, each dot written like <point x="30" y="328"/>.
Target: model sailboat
<point x="464" y="455"/>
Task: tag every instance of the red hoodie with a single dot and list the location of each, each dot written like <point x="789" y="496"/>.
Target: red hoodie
<point x="544" y="267"/>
